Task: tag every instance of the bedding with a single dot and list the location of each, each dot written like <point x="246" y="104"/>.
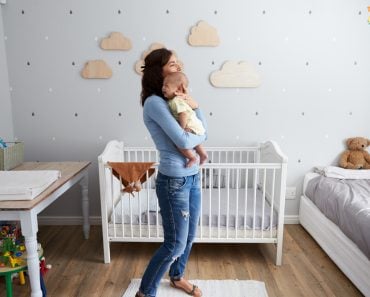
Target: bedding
<point x="346" y="202"/>
<point x="140" y="204"/>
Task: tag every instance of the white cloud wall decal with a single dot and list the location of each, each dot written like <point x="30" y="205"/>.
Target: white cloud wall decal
<point x="235" y="74"/>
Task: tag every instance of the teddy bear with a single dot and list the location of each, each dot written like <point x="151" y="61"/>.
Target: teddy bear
<point x="356" y="157"/>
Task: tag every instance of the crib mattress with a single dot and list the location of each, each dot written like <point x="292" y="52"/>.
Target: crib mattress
<point x="220" y="208"/>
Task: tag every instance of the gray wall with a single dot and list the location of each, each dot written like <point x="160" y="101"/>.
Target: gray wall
<point x="6" y="122"/>
<point x="313" y="57"/>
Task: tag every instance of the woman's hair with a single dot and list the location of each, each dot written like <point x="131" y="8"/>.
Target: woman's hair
<point x="152" y="79"/>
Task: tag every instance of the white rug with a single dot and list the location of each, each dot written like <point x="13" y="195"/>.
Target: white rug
<point x="210" y="288"/>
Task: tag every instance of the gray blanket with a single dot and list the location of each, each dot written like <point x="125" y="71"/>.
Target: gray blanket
<point x="347" y="204"/>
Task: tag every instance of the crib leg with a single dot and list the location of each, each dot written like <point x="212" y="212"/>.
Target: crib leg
<point x="279" y="253"/>
<point x="106" y="247"/>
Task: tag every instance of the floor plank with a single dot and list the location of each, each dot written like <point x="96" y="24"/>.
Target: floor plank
<point x="78" y="269"/>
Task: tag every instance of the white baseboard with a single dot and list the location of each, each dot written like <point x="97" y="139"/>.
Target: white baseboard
<point x="291" y="219"/>
<point x="67" y="220"/>
<point x="96" y="220"/>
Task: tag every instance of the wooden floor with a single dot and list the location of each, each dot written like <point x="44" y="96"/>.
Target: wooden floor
<point x="78" y="268"/>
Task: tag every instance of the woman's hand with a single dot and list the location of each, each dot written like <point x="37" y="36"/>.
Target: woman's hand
<point x="188" y="99"/>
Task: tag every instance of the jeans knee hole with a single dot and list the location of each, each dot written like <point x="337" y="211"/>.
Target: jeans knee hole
<point x="185" y="214"/>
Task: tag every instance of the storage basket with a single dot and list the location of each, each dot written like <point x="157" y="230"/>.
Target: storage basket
<point x="12" y="155"/>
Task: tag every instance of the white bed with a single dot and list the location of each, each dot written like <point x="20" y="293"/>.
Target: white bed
<point x="343" y="251"/>
<point x="243" y="197"/>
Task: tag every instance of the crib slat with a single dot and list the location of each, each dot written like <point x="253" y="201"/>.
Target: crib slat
<point x="148" y="187"/>
<point x="112" y="201"/>
<point x="263" y="201"/>
<point x="228" y="202"/>
<point x="219" y="203"/>
<point x="210" y="201"/>
<point x="272" y="201"/>
<point x="254" y="201"/>
<point x="202" y="186"/>
<point x="237" y="202"/>
<point x="139" y="214"/>
<point x="245" y="202"/>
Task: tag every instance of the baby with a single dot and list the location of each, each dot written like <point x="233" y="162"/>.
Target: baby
<point x="173" y="84"/>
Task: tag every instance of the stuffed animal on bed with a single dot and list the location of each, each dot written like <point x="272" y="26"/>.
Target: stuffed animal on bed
<point x="356" y="157"/>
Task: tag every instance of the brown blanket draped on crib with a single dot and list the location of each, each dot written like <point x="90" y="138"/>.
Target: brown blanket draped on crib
<point x="132" y="174"/>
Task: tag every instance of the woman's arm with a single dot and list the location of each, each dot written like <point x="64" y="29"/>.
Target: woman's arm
<point x="157" y="109"/>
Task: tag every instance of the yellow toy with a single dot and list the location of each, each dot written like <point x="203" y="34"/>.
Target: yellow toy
<point x="356" y="157"/>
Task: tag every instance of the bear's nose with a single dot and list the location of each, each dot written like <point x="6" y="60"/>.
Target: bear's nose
<point x="363" y="145"/>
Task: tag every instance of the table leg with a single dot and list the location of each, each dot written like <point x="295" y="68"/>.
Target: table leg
<point x="85" y="205"/>
<point x="8" y="285"/>
<point x="29" y="230"/>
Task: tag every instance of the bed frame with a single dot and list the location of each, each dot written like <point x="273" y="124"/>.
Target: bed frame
<point x="344" y="253"/>
<point x="239" y="184"/>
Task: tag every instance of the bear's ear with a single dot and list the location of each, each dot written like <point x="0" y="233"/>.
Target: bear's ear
<point x="368" y="142"/>
<point x="348" y="142"/>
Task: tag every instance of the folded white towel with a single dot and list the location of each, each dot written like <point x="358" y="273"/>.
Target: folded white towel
<point x="341" y="173"/>
<point x="25" y="185"/>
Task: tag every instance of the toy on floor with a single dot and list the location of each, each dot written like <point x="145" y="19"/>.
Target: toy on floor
<point x="356" y="157"/>
<point x="43" y="269"/>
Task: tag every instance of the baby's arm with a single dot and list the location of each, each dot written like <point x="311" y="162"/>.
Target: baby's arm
<point x="182" y="119"/>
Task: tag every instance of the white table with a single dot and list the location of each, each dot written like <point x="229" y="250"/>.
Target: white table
<point x="26" y="211"/>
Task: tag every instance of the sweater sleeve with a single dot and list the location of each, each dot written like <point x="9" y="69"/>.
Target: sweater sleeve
<point x="157" y="109"/>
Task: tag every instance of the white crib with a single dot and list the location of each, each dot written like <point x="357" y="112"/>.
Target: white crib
<point x="243" y="197"/>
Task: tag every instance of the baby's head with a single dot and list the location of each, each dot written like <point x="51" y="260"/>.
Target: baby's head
<point x="173" y="83"/>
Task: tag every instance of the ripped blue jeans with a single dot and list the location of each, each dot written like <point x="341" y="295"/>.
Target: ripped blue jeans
<point x="179" y="201"/>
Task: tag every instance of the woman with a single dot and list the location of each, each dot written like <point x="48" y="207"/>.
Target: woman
<point x="177" y="186"/>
